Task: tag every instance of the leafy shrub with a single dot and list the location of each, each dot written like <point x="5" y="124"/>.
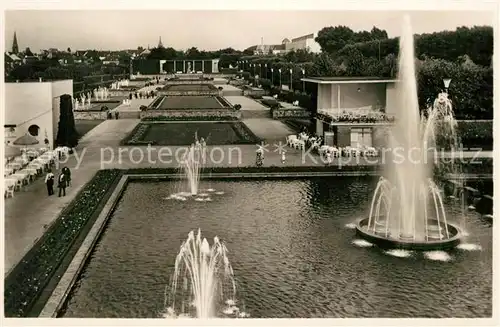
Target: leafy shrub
<point x="143" y="108"/>
<point x="270" y="103"/>
<point x="237" y="106"/>
<point x="476" y="134"/>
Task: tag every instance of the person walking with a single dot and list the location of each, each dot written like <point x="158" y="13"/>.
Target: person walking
<point x="49" y="181"/>
<point x="61" y="184"/>
<point x="283" y="157"/>
<point x="116" y="114"/>
<point x="67" y="174"/>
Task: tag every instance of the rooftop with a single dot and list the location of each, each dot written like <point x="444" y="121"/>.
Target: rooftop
<point x="346" y="80"/>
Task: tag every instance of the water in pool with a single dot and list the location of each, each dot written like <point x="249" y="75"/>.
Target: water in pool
<point x="293" y="251"/>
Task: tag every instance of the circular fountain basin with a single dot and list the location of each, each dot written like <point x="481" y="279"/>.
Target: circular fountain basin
<point x="433" y="242"/>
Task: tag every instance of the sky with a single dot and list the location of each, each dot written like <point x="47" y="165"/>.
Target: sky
<point x="206" y="30"/>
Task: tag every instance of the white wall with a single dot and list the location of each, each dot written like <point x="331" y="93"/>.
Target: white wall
<point x="391" y="99"/>
<point x="304" y="44"/>
<point x="215" y="66"/>
<point x="325" y="96"/>
<point x="35" y="103"/>
<point x="313" y="46"/>
<point x="370" y="94"/>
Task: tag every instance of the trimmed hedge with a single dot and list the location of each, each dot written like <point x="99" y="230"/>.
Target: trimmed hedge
<point x="190" y="118"/>
<point x="27" y="281"/>
<point x="254" y="169"/>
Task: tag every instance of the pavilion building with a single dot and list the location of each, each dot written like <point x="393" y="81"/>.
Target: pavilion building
<point x="354" y="111"/>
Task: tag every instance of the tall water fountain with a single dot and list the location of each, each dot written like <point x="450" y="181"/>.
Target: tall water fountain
<point x="407" y="209"/>
<point x="203" y="283"/>
<point x="191" y="164"/>
<point x="190" y="167"/>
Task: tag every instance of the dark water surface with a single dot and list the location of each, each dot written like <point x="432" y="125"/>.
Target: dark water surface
<point x="291" y="252"/>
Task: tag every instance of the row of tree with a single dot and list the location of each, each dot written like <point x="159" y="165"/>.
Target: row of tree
<point x="51" y="69"/>
<point x="471" y="89"/>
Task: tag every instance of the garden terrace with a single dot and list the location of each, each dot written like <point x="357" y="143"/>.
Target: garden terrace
<point x="188" y="90"/>
<point x="190" y="103"/>
<point x="214" y="133"/>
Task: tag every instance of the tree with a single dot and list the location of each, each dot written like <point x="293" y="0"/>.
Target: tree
<point x="378" y="34"/>
<point x="66" y="131"/>
<point x="162" y="53"/>
<point x="193" y="53"/>
<point x="331" y="39"/>
<point x="28" y="52"/>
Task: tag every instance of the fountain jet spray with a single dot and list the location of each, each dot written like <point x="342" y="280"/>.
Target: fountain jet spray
<point x="203" y="281"/>
<point x="407" y="204"/>
<point x="191" y="165"/>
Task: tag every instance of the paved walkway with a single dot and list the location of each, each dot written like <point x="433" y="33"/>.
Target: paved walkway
<point x="31" y="211"/>
<point x="268" y="128"/>
<point x="246" y="103"/>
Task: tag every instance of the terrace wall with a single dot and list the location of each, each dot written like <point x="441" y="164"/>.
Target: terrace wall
<point x="195" y="112"/>
<point x="290" y="113"/>
<point x="90" y="115"/>
<point x="187" y="81"/>
<point x="190" y="93"/>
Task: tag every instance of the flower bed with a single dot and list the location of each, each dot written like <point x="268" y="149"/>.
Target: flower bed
<point x="192" y="114"/>
<point x="27" y="281"/>
<point x="190" y="118"/>
<point x="290" y="113"/>
<point x="350" y="117"/>
<point x="137" y="135"/>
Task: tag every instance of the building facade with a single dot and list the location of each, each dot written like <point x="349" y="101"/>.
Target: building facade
<point x="354" y="111"/>
<point x="33" y="107"/>
<point x="305" y="42"/>
<point x="155" y="66"/>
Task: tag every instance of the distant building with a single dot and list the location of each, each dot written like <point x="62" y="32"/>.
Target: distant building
<point x="155" y="66"/>
<point x="33" y="107"/>
<point x="15" y="46"/>
<point x="305" y="42"/>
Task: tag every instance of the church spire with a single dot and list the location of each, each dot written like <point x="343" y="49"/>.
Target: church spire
<point x="15" y="47"/>
<point x="160" y="45"/>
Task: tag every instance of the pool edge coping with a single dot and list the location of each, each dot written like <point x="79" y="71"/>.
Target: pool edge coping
<point x="66" y="283"/>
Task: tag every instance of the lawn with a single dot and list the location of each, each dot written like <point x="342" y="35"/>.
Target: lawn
<point x="85" y="126"/>
<point x="191" y="102"/>
<point x="214" y="133"/>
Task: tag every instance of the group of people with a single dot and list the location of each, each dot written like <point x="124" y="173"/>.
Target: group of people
<point x="63" y="181"/>
<point x="259" y="160"/>
<point x="116" y="113"/>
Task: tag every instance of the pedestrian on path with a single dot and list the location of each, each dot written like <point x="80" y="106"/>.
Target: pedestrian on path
<point x="49" y="181"/>
<point x="67" y="174"/>
<point x="328" y="158"/>
<point x="61" y="184"/>
<point x="116" y="114"/>
<point x="283" y="157"/>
